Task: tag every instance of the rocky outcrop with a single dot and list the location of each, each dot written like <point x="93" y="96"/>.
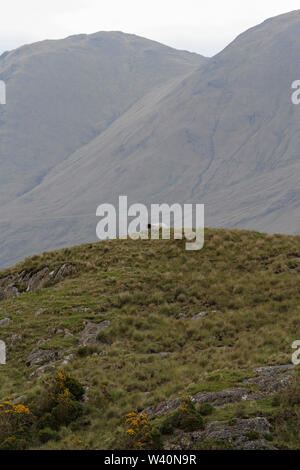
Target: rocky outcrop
<point x="15" y="284"/>
<point x="39" y="357"/>
<point x="90" y="333"/>
<point x="270" y="380"/>
<point x="16" y="339"/>
<point x="242" y="434"/>
<point x="5" y="322"/>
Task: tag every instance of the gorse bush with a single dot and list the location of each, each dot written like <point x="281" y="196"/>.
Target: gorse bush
<point x="189" y="419"/>
<point x="48" y="434"/>
<point x="139" y="434"/>
<point x="15" y="422"/>
<point x="186" y="418"/>
<point x="58" y="404"/>
<point x="206" y="409"/>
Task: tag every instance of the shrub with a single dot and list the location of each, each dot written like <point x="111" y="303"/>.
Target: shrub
<point x="252" y="435"/>
<point x="62" y="387"/>
<point x="189" y="419"/>
<point x="15" y="423"/>
<point x="67" y="410"/>
<point x="170" y="423"/>
<point x="186" y="418"/>
<point x="59" y="403"/>
<point x="139" y="434"/>
<point x="85" y="351"/>
<point x="48" y="434"/>
<point x="206" y="409"/>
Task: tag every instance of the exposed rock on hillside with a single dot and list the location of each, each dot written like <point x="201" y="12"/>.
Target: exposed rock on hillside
<point x="13" y="285"/>
<point x="243" y="434"/>
<point x="90" y="333"/>
<point x="271" y="380"/>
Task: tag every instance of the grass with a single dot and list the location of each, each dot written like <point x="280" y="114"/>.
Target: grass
<point x="247" y="282"/>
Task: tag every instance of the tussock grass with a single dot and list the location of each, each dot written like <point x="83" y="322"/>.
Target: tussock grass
<point x="247" y="282"/>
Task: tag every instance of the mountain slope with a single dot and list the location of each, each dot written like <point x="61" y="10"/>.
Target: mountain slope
<point x="141" y="323"/>
<point x="61" y="94"/>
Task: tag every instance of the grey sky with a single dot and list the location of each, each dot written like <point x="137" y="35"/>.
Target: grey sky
<point x="196" y="25"/>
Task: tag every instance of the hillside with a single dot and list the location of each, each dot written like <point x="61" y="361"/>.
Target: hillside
<point x="142" y="323"/>
<point x="226" y="134"/>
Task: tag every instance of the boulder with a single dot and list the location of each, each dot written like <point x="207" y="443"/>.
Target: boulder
<point x="89" y="335"/>
<point x="16" y="339"/>
<point x="39" y="357"/>
<point x="243" y="434"/>
<point x="5" y="322"/>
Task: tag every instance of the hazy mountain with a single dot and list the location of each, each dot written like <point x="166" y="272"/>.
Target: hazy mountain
<point x="61" y="94"/>
<point x="226" y="135"/>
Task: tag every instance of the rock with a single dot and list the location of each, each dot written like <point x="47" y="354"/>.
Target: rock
<point x="164" y="354"/>
<point x="272" y="379"/>
<point x="67" y="333"/>
<point x="68" y="358"/>
<point x="5" y="322"/>
<point x="238" y="435"/>
<point x="199" y="315"/>
<point x="62" y="272"/>
<point x="258" y="444"/>
<point x="85" y="396"/>
<point x="39" y="357"/>
<point x="163" y="408"/>
<point x="7" y="288"/>
<point x="16" y="339"/>
<point x="81" y="309"/>
<point x="182" y="315"/>
<point x="39" y="311"/>
<point x="19" y="400"/>
<point x="13" y="285"/>
<point x="38" y="280"/>
<point x="41" y="370"/>
<point x="223" y="397"/>
<point x="90" y="333"/>
<point x="239" y="429"/>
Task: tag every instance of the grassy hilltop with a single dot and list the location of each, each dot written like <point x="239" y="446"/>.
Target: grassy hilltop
<point x="154" y="347"/>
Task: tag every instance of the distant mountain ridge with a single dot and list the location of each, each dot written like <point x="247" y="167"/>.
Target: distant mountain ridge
<point x="61" y="94"/>
<point x="223" y="132"/>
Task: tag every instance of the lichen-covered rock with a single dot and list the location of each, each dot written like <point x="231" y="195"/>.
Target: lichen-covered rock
<point x="39" y="357"/>
<point x="13" y="285"/>
<point x="199" y="315"/>
<point x="269" y="381"/>
<point x="16" y="339"/>
<point x="90" y="333"/>
<point x="5" y="322"/>
<point x="40" y="311"/>
<point x="243" y="434"/>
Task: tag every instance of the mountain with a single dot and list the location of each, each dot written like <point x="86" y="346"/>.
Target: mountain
<point x="226" y="134"/>
<point x="142" y="323"/>
<point x="62" y="94"/>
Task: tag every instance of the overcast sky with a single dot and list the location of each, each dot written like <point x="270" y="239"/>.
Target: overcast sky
<point x="200" y="26"/>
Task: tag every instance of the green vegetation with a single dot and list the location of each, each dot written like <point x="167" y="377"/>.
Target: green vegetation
<point x="247" y="282"/>
<point x="58" y="404"/>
